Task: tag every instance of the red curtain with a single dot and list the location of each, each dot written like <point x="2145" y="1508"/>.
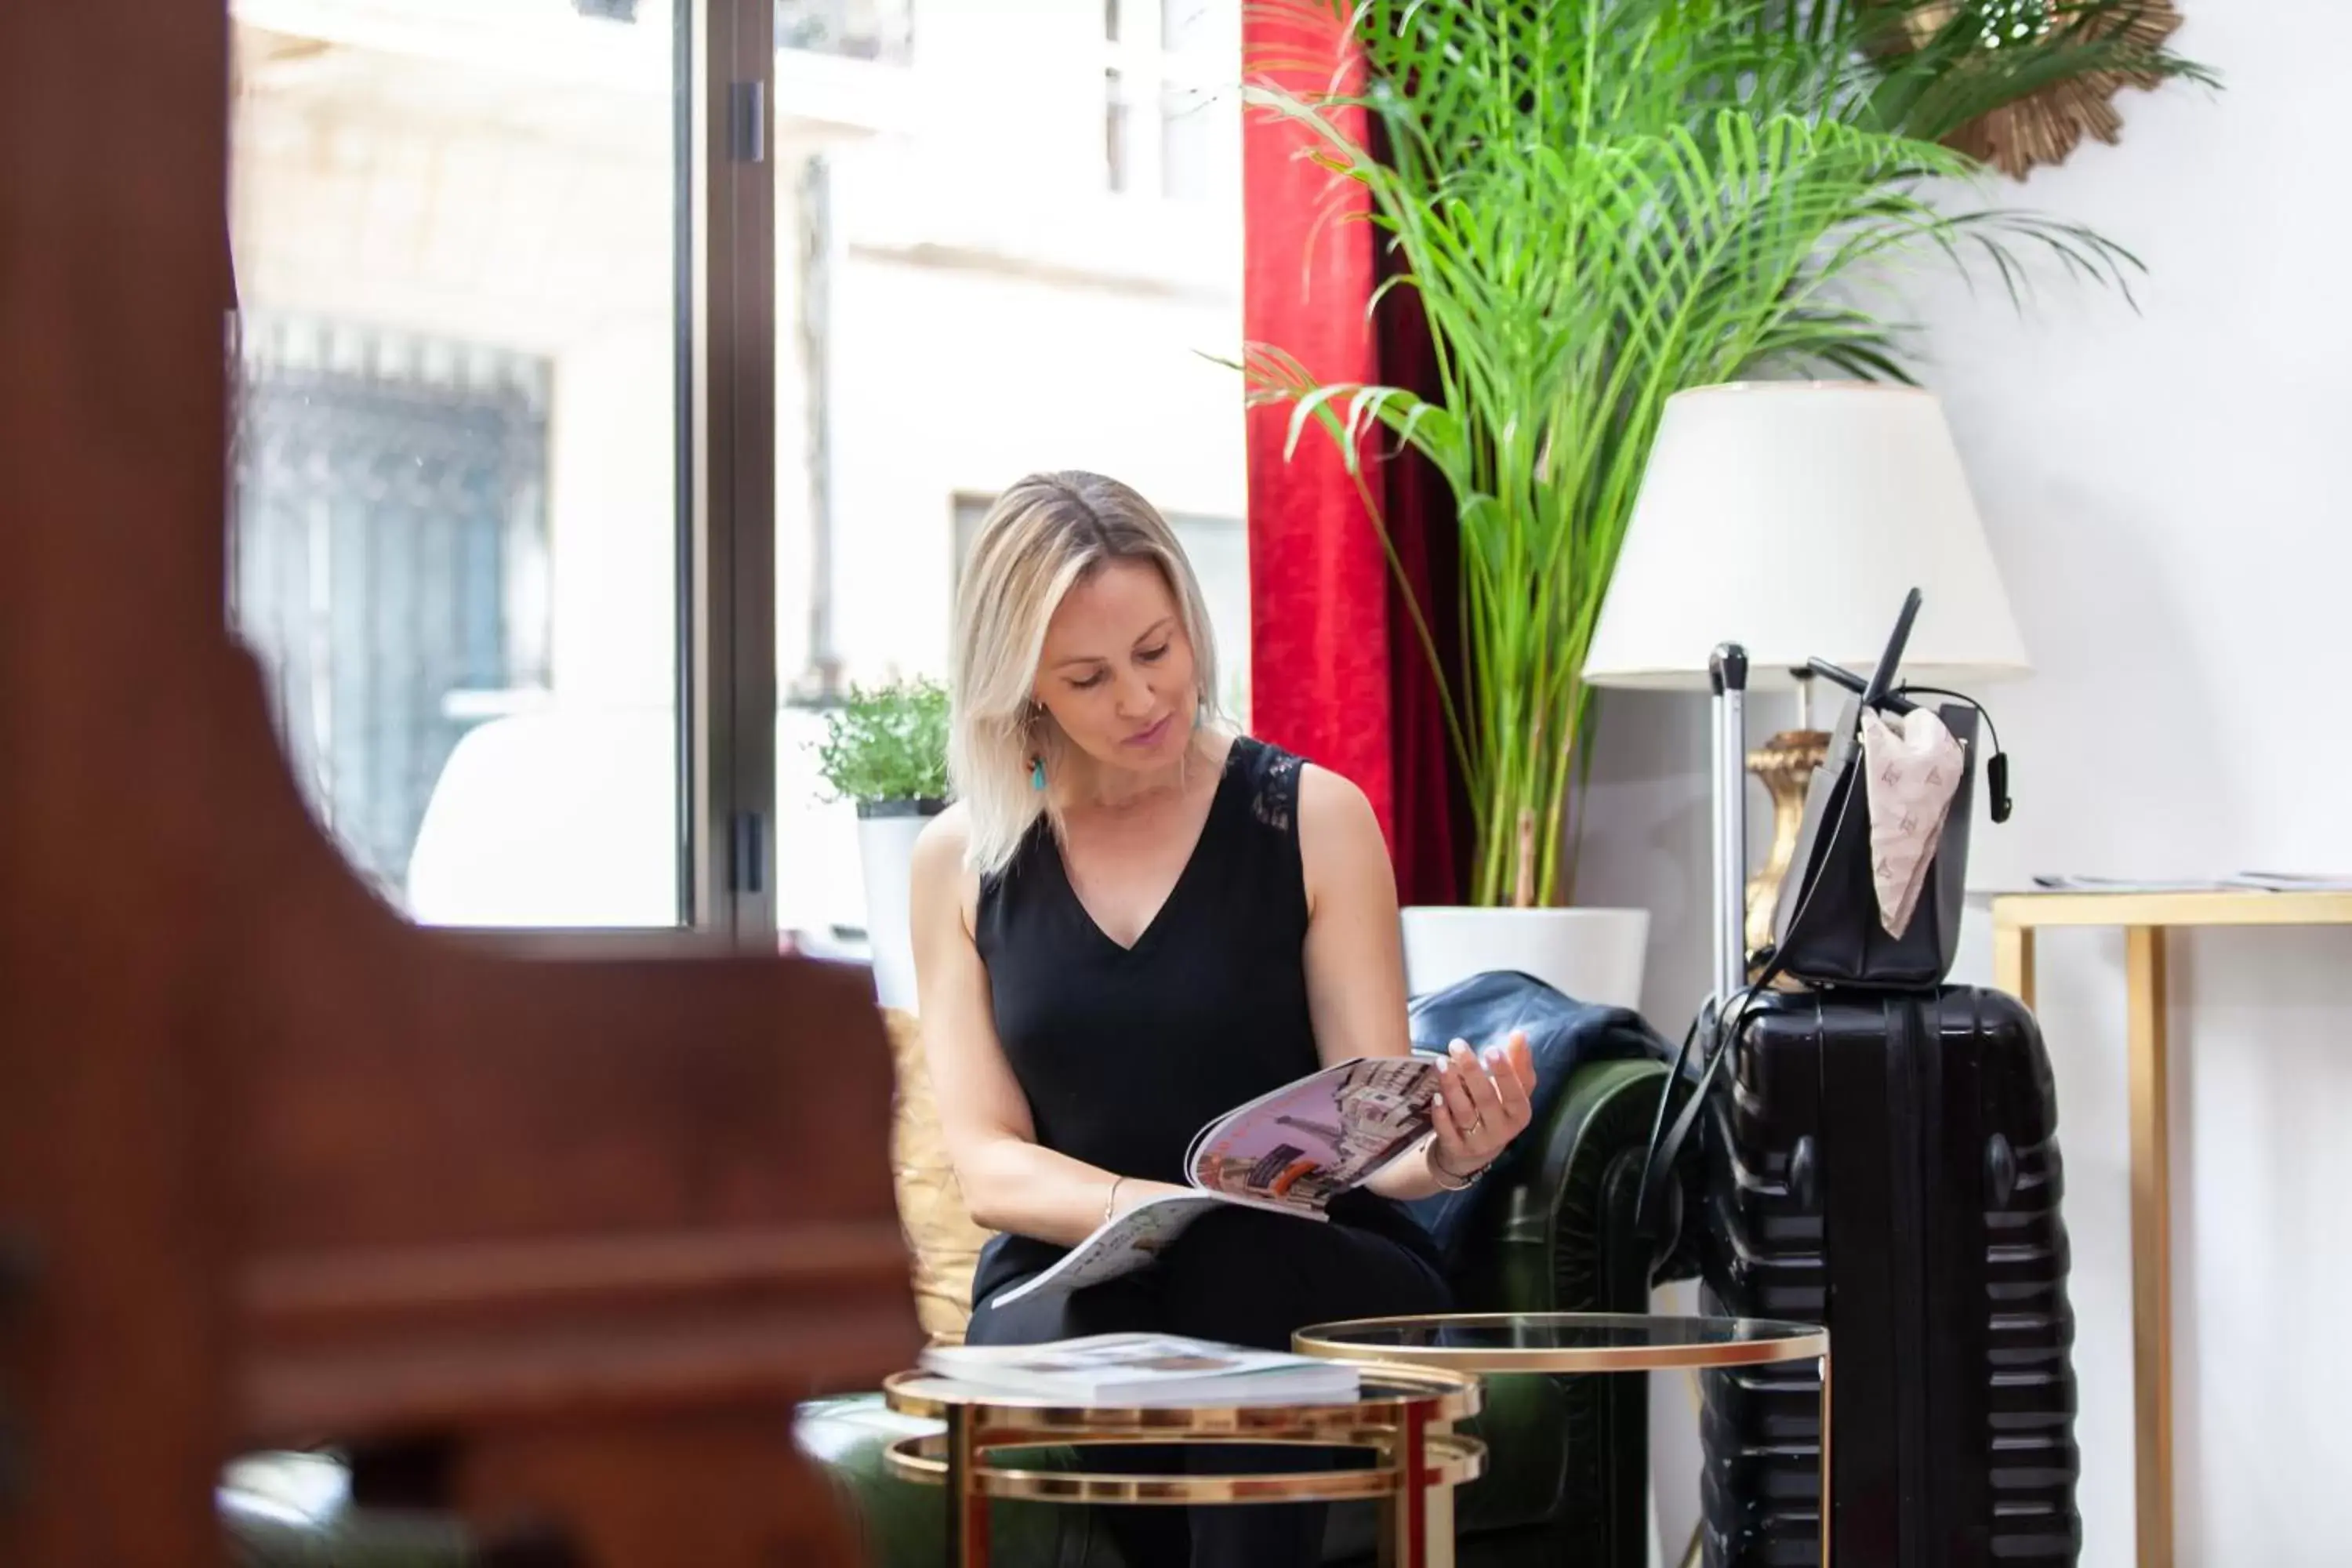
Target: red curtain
<point x="1338" y="672"/>
<point x="1432" y="840"/>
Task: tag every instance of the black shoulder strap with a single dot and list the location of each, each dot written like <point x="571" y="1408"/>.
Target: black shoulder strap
<point x="1721" y="1022"/>
<point x="1721" y="1028"/>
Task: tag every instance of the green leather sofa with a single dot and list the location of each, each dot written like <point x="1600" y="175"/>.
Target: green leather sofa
<point x="1567" y="1456"/>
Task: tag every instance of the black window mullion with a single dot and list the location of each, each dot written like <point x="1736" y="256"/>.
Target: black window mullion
<point x="729" y="615"/>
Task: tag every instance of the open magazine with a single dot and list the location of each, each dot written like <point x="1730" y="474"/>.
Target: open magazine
<point x="1146" y="1369"/>
<point x="1291" y="1152"/>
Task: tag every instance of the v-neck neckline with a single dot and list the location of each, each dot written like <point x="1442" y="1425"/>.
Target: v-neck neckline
<point x="1183" y="875"/>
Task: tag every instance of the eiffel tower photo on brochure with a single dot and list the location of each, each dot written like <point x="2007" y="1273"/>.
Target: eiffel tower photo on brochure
<point x="1291" y="1152"/>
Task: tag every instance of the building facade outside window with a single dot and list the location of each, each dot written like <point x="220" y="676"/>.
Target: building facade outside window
<point x="391" y="561"/>
<point x="457" y="234"/>
<point x="1170" y="127"/>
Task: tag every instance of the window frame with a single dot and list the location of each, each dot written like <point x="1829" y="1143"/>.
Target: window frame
<point x="723" y="87"/>
<point x="1146" y="78"/>
<point x="728" y="608"/>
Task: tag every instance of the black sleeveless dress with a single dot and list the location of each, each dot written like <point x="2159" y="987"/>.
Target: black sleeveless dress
<point x="1125" y="1053"/>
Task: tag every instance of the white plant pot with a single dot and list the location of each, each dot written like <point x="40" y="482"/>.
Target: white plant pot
<point x="1592" y="955"/>
<point x="887" y="831"/>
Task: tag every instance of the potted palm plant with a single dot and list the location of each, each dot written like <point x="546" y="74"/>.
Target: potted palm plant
<point x="1597" y="203"/>
<point x="886" y="749"/>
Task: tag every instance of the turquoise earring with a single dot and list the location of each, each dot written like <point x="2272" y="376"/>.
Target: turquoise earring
<point x="1029" y="722"/>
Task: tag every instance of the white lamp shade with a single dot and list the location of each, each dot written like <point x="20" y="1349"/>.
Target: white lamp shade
<point x="1791" y="518"/>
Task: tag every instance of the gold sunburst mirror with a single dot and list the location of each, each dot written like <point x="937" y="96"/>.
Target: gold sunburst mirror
<point x="2046" y="127"/>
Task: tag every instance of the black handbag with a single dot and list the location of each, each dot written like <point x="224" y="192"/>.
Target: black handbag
<point x="1827" y="932"/>
<point x="1826" y="926"/>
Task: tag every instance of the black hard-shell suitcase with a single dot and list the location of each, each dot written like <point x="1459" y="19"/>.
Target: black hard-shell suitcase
<point x="1888" y="1165"/>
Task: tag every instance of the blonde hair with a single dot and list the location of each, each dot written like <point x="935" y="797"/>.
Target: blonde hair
<point x="1045" y="535"/>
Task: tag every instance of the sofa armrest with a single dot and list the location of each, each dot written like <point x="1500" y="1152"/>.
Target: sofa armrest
<point x="1558" y="1237"/>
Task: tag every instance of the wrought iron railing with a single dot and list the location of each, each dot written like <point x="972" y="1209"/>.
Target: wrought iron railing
<point x="390" y="500"/>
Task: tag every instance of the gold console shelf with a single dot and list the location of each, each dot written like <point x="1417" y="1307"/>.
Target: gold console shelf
<point x="2144" y="919"/>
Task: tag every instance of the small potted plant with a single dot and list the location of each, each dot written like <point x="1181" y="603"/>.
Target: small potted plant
<point x="886" y="749"/>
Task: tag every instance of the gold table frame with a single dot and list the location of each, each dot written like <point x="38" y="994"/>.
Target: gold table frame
<point x="1799" y="1342"/>
<point x="2144" y="919"/>
<point x="1406" y="1416"/>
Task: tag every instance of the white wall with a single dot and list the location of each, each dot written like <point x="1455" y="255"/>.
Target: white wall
<point x="2164" y="493"/>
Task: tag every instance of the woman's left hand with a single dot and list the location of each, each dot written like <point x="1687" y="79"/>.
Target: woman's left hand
<point x="1482" y="1104"/>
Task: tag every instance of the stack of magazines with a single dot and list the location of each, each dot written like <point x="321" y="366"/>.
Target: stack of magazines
<point x="2244" y="882"/>
<point x="1128" y="1370"/>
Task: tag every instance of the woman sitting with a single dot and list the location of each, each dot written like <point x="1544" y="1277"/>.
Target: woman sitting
<point x="1132" y="921"/>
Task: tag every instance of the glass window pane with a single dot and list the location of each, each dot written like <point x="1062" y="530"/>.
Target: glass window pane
<point x="1119" y="134"/>
<point x="970" y="303"/>
<point x="1193" y="26"/>
<point x="1193" y="144"/>
<point x="455" y="508"/>
<point x="1218" y="548"/>
<point x="857" y="29"/>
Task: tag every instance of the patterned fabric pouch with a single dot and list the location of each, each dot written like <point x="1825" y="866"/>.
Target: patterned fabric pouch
<point x="1913" y="767"/>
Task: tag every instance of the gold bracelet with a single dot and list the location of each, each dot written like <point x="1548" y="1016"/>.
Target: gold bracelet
<point x="1451" y="1181"/>
<point x="1110" y="1199"/>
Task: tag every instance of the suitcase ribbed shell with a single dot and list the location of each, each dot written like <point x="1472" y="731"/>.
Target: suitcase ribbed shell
<point x="1888" y="1165"/>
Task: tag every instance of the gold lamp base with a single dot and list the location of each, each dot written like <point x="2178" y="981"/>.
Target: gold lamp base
<point x="1786" y="763"/>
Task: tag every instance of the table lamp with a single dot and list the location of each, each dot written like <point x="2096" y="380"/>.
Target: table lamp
<point x="1789" y="518"/>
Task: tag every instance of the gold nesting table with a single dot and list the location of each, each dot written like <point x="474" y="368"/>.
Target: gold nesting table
<point x="1562" y="1342"/>
<point x="1404" y="1416"/>
<point x="2144" y="919"/>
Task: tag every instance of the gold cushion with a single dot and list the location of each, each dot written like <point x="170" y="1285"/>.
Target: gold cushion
<point x="941" y="1239"/>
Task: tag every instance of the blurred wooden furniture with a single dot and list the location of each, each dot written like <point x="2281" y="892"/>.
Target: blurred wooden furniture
<point x="2144" y="919"/>
<point x="553" y="1243"/>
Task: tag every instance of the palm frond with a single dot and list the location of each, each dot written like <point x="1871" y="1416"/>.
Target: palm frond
<point x="1597" y="204"/>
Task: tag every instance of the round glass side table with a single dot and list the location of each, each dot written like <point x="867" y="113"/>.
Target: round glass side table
<point x="1485" y="1342"/>
<point x="1405" y="1415"/>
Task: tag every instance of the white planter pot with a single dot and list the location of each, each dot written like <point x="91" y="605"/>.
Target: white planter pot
<point x="1592" y="955"/>
<point x="887" y="831"/>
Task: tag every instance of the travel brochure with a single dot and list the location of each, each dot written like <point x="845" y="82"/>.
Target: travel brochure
<point x="1114" y="1370"/>
<point x="1291" y="1152"/>
<point x="2244" y="882"/>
